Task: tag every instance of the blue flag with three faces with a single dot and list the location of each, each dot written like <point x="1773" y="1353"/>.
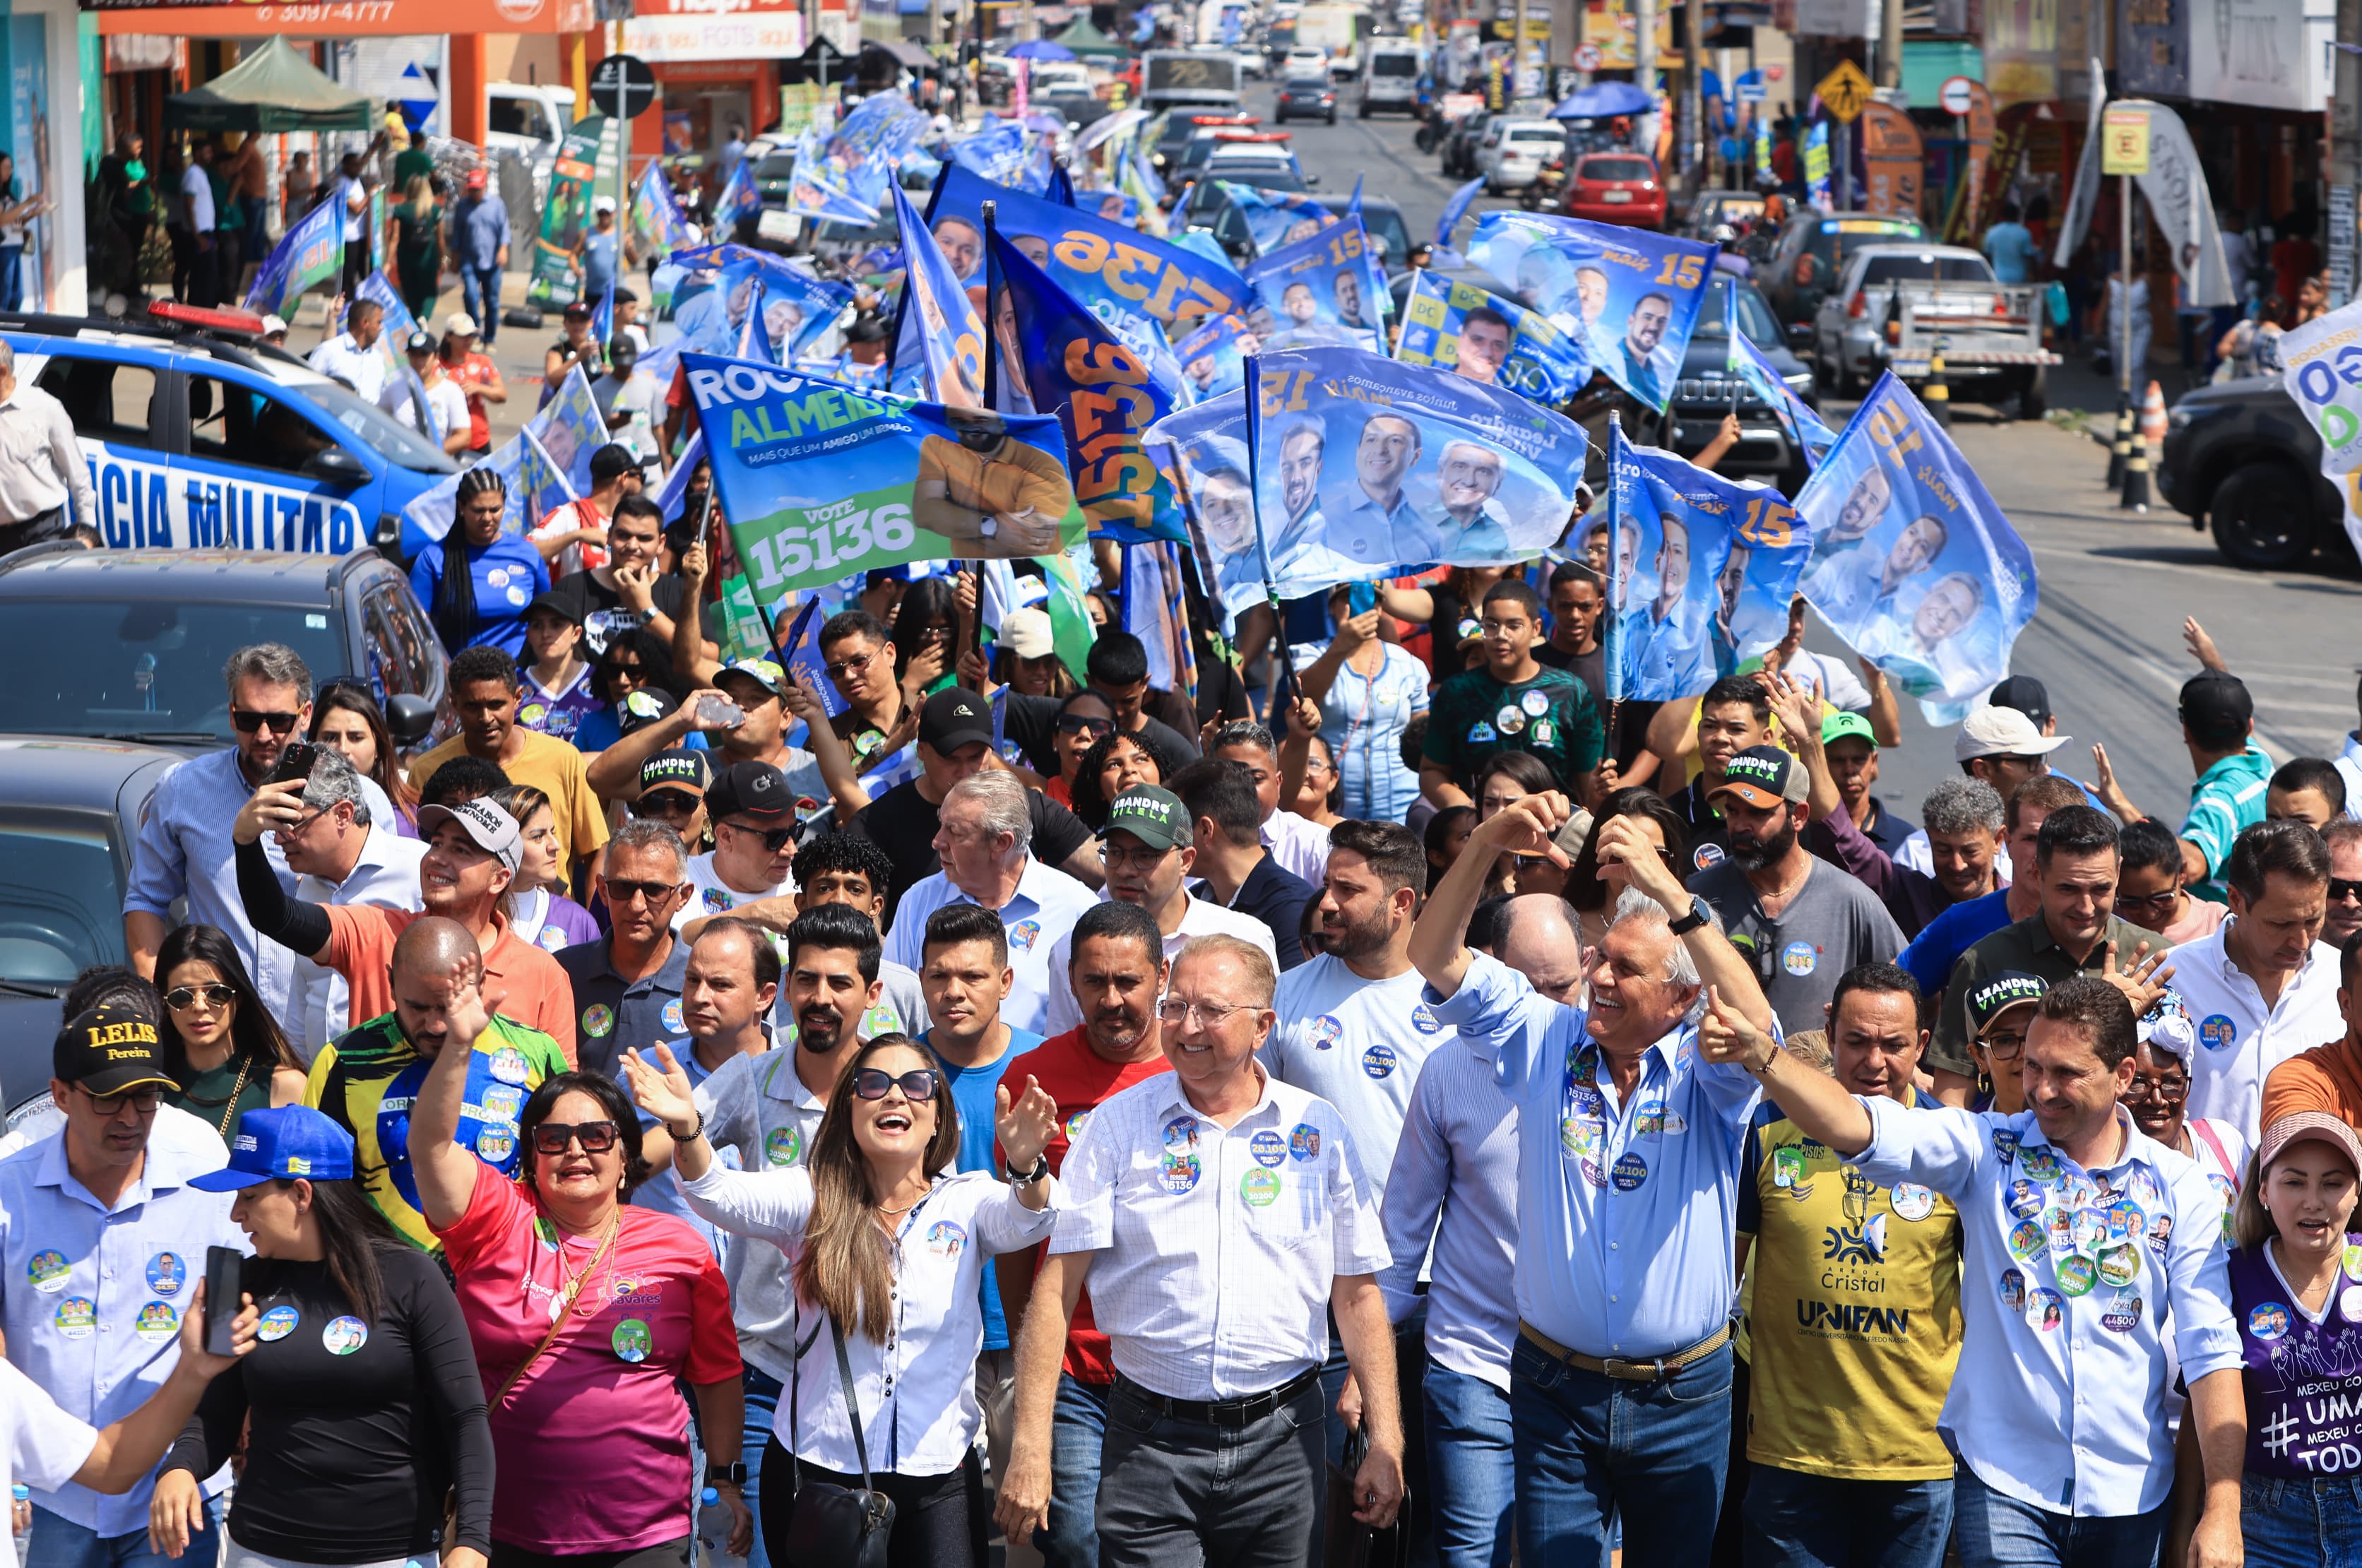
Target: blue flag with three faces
<point x="796" y="309"/>
<point x="1912" y="563"/>
<point x="1633" y="296"/>
<point x="938" y="330"/>
<point x="1365" y="465"/>
<point x="1213" y="358"/>
<point x="1476" y="333"/>
<point x="1316" y="292"/>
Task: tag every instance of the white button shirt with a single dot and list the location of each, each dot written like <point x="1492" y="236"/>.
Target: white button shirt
<point x="1217" y="1249"/>
<point x="759" y="1109"/>
<point x="1453" y="1187"/>
<point x="1298" y="844"/>
<point x="1359" y="1044"/>
<point x="41" y="465"/>
<point x="1044" y="908"/>
<point x="919" y="1413"/>
<point x="341" y="358"/>
<point x="386" y="875"/>
<point x="2240" y="1040"/>
<point x="2349" y="768"/>
<point x="1202" y="917"/>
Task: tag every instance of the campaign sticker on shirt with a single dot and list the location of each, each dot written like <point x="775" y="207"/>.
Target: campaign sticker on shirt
<point x="1260" y="1188"/>
<point x="2268" y="1322"/>
<point x="2216" y="1032"/>
<point x="1787" y="1164"/>
<point x="2012" y="1290"/>
<point x="518" y="596"/>
<point x="157" y="1322"/>
<point x="1706" y="855"/>
<point x="1423" y="1019"/>
<point x="2349" y="1303"/>
<point x="783" y="1145"/>
<point x="1655" y="1121"/>
<point x="1509" y="721"/>
<point x="167" y="1272"/>
<point x="1593" y="1171"/>
<point x="2090" y="1229"/>
<point x="946" y="1240"/>
<point x="2123" y="1316"/>
<point x="1179" y="1174"/>
<point x="2026" y="1239"/>
<point x="2060" y="1222"/>
<point x="343" y="1336"/>
<point x="1304" y="1143"/>
<point x="598" y="1021"/>
<point x="531" y="714"/>
<point x="2024" y="1198"/>
<point x="1378" y="1061"/>
<point x="1481" y="734"/>
<point x="497" y="576"/>
<point x="2005" y="1145"/>
<point x="1587" y="1099"/>
<point x="718" y="898"/>
<point x="2125" y="1222"/>
<point x="1181" y="1136"/>
<point x="2077" y="1273"/>
<point x="1025" y="934"/>
<point x="1535" y="701"/>
<point x="277" y="1324"/>
<point x="76" y="1317"/>
<point x="2045" y="1308"/>
<point x="1912" y="1203"/>
<point x="496" y="1144"/>
<point x="509" y="1065"/>
<point x="2120" y="1266"/>
<point x="2039" y="1164"/>
<point x="48" y="1270"/>
<point x="1543" y="733"/>
<point x="2160" y="1235"/>
<point x="1630" y="1171"/>
<point x="1268" y="1148"/>
<point x="632" y="1340"/>
<point x="1327" y="1029"/>
<point x="670" y="1017"/>
<point x="502" y="1102"/>
<point x="1578" y="1135"/>
<point x="1799" y="958"/>
<point x="1075" y="1123"/>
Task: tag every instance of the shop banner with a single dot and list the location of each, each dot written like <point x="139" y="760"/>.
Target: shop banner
<point x="1317" y="291"/>
<point x="1474" y="333"/>
<point x="1631" y="298"/>
<point x="565" y="211"/>
<point x="1892" y="158"/>
<point x="2179" y="203"/>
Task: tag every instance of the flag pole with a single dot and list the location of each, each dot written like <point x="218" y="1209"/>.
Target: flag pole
<point x="1253" y="365"/>
<point x="1612" y="644"/>
<point x="991" y="401"/>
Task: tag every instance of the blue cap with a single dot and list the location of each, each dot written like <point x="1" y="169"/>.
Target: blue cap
<point x="279" y="1144"/>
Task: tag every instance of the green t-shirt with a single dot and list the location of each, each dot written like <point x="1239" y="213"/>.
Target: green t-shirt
<point x="1551" y="715"/>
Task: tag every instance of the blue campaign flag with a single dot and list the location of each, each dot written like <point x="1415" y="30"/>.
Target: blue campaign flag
<point x="738" y="200"/>
<point x="800" y="649"/>
<point x="395" y="323"/>
<point x="1276" y="219"/>
<point x="938" y="329"/>
<point x="995" y="151"/>
<point x="602" y="316"/>
<point x="310" y="252"/>
<point x="1805" y="426"/>
<point x="1476" y="333"/>
<point x="1062" y="187"/>
<point x="1633" y="295"/>
<point x="1454" y="210"/>
<point x="672" y="496"/>
<point x="1315" y="291"/>
<point x="1817" y="165"/>
<point x="1912" y="563"/>
<point x="1143" y="174"/>
<point x="1366" y="466"/>
<point x="1063" y="360"/>
<point x="656" y="211"/>
<point x="1213" y="357"/>
<point x="1374" y="269"/>
<point x="795" y="308"/>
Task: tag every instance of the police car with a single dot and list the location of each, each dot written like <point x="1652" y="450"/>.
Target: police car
<point x="200" y="437"/>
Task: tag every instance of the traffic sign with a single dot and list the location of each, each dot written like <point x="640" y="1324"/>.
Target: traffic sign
<point x="1750" y="87"/>
<point x="1587" y="56"/>
<point x="1958" y="95"/>
<point x="2124" y="142"/>
<point x="623" y="85"/>
<point x="1844" y="92"/>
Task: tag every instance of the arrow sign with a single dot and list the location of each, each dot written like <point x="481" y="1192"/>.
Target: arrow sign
<point x="1844" y="92"/>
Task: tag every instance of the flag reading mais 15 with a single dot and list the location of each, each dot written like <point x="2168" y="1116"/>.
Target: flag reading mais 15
<point x="819" y="480"/>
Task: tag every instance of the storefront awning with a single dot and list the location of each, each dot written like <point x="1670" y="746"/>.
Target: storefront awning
<point x="344" y="19"/>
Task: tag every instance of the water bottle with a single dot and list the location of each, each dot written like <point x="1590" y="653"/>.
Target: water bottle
<point x="22" y="1496"/>
<point x="714" y="1523"/>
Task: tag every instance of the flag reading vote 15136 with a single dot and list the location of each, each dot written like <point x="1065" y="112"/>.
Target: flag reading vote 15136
<point x="2321" y="370"/>
<point x="1317" y="291"/>
<point x="819" y="481"/>
<point x="1366" y="465"/>
<point x="1476" y="333"/>
<point x="1631" y="296"/>
<point x="1912" y="564"/>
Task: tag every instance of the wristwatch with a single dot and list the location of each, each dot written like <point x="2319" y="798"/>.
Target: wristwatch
<point x="735" y="1474"/>
<point x="1040" y="1169"/>
<point x="1699" y="915"/>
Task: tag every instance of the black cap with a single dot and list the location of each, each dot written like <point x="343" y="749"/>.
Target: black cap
<point x="952" y="718"/>
<point x="751" y="789"/>
<point x="562" y="605"/>
<point x="419" y="343"/>
<point x="1996" y="994"/>
<point x="2025" y="694"/>
<point x="2216" y="703"/>
<point x="108" y="1049"/>
<point x="1762" y="776"/>
<point x="613" y="462"/>
<point x="643" y="706"/>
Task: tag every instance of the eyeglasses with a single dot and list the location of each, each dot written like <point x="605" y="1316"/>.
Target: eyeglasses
<point x="665" y="804"/>
<point x="1314" y="765"/>
<point x="2004" y="1047"/>
<point x="2341" y="890"/>
<point x="846" y="669"/>
<point x="774" y="839"/>
<point x="2167" y="1090"/>
<point x="246" y="721"/>
<point x="2155" y="902"/>
<point x="621" y="892"/>
<point x="871" y="1083"/>
<point x="1076" y="724"/>
<point x="596" y="1137"/>
<point x="142" y="1099"/>
<point x="181" y="998"/>
<point x="295" y="828"/>
<point x="1173" y="1010"/>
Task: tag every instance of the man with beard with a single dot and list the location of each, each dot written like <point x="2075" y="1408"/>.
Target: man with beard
<point x="1373" y="519"/>
<point x="1860" y="584"/>
<point x="989" y="489"/>
<point x="1300" y="550"/>
<point x="1643" y="330"/>
<point x="1804" y="921"/>
<point x="1348" y="292"/>
<point x="1865" y="504"/>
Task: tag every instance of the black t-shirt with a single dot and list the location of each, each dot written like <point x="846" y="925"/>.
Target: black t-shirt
<point x="604" y="614"/>
<point x="902" y="822"/>
<point x="1031" y="723"/>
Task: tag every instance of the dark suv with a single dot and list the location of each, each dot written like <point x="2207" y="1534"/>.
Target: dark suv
<point x="1810" y="254"/>
<point x="2239" y="455"/>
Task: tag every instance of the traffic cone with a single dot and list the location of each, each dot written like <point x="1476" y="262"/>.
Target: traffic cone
<point x="2152" y="418"/>
<point x="1939" y="393"/>
<point x="2121" y="451"/>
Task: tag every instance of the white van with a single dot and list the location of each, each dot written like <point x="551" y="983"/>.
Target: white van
<point x="1390" y="78"/>
<point x="526" y="120"/>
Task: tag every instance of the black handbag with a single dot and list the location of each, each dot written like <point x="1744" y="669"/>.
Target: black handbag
<point x="831" y="1525"/>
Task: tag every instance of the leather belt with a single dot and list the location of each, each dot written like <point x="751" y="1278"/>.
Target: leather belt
<point x="1625" y="1371"/>
<point x="1234" y="1413"/>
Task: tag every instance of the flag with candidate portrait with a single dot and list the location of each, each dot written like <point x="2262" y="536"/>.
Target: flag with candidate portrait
<point x="1804" y="426"/>
<point x="1631" y="296"/>
<point x="311" y="251"/>
<point x="738" y="200"/>
<point x="795" y="308"/>
<point x="656" y="216"/>
<point x="994" y="150"/>
<point x="1912" y="563"/>
<point x="1476" y="333"/>
<point x="1316" y="292"/>
<point x="1116" y="206"/>
<point x="1366" y="466"/>
<point x="717" y="306"/>
<point x="545" y="463"/>
<point x="937" y="330"/>
<point x="1276" y="219"/>
<point x="1213" y="357"/>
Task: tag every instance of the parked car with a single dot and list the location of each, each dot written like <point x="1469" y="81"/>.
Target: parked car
<point x="1898" y="305"/>
<point x="1305" y="98"/>
<point x="1458" y="153"/>
<point x="1617" y="187"/>
<point x="2240" y="459"/>
<point x="1513" y="149"/>
<point x="1810" y="254"/>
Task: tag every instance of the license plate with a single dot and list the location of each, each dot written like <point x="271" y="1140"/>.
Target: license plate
<point x="778" y="225"/>
<point x="1615" y="197"/>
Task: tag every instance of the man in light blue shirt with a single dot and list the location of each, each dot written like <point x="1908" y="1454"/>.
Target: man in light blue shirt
<point x="2081" y="1240"/>
<point x="102" y="1242"/>
<point x="1629" y="1157"/>
<point x="2009" y="246"/>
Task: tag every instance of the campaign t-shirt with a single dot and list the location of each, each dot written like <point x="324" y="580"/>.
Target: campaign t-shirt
<point x="1474" y="716"/>
<point x="2303" y="1373"/>
<point x="902" y="822"/>
<point x="709" y="895"/>
<point x="1359" y="1044"/>
<point x="506" y="574"/>
<point x="557" y="715"/>
<point x="973" y="1092"/>
<point x="1833" y="924"/>
<point x="604" y="613"/>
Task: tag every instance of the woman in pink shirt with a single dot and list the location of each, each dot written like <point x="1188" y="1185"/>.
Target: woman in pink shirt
<point x="2149" y="887"/>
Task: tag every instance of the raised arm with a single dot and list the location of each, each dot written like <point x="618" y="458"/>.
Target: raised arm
<point x="445" y="1172"/>
<point x="292" y="923"/>
<point x="1818" y="1106"/>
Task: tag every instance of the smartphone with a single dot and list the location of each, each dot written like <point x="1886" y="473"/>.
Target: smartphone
<point x="225" y="1292"/>
<point x="295" y="761"/>
<point x="1363" y="597"/>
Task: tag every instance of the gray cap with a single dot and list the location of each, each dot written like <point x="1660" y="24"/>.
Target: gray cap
<point x="489" y="828"/>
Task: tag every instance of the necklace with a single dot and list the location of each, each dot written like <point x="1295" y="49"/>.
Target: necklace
<point x="229" y="1108"/>
<point x="570" y="1285"/>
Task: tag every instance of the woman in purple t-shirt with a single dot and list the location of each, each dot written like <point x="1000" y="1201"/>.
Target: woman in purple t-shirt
<point x="538" y="911"/>
<point x="2296" y="1294"/>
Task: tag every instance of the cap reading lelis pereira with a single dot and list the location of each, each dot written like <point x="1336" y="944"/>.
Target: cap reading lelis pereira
<point x="1153" y="815"/>
<point x="108" y="1049"/>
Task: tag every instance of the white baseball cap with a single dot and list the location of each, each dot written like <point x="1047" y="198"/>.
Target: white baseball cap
<point x="2003" y="732"/>
<point x="1026" y="633"/>
<point x="271" y="324"/>
<point x="603" y="203"/>
<point x="459" y="323"/>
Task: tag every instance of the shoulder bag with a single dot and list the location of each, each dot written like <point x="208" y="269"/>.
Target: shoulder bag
<point x="831" y="1525"/>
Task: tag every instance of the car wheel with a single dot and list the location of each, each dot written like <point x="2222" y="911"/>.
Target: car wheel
<point x="1332" y="116"/>
<point x="1365" y="114"/>
<point x="2262" y="517"/>
<point x="2034" y="393"/>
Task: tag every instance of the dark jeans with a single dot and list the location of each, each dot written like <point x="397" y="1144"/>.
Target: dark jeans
<point x="664" y="1555"/>
<point x="763" y="1392"/>
<point x="939" y="1520"/>
<point x="1991" y="1530"/>
<point x="1183" y="1494"/>
<point x="479" y="295"/>
<point x="357" y="263"/>
<point x="1795" y="1520"/>
<point x="1077" y="1436"/>
<point x="1591" y="1447"/>
<point x="2315" y="1523"/>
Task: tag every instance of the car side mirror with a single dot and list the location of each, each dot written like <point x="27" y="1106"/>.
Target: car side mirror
<point x="409" y="717"/>
<point x="1800" y="334"/>
<point x="1312" y="179"/>
<point x="335" y="464"/>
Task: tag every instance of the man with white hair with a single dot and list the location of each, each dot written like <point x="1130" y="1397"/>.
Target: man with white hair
<point x="341" y="853"/>
<point x="985" y="844"/>
<point x="41" y="466"/>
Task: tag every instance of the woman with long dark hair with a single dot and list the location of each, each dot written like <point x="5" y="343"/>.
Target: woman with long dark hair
<point x="633" y="663"/>
<point x="362" y="1396"/>
<point x="1592" y="889"/>
<point x="476" y="580"/>
<point x="345" y="719"/>
<point x="1085" y="719"/>
<point x="926" y="630"/>
<point x="224" y="1051"/>
<point x="885" y="1254"/>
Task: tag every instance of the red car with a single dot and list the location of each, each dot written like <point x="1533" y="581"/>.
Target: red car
<point x="1617" y="187"/>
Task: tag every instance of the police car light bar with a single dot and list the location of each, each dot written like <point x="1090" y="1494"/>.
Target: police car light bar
<point x="243" y="324"/>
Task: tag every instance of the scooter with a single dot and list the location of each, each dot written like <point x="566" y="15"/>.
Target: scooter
<point x="1549" y="181"/>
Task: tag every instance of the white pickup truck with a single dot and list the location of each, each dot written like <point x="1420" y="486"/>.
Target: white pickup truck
<point x="1895" y="306"/>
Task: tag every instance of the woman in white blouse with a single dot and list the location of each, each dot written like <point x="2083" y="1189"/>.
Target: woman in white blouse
<point x="885" y="1248"/>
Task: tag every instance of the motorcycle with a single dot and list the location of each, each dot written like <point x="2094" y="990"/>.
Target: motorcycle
<point x="1549" y="181"/>
<point x="1430" y="134"/>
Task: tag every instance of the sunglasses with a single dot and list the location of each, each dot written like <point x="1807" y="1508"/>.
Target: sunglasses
<point x="1076" y="724"/>
<point x="846" y="669"/>
<point x="245" y="722"/>
<point x="2154" y="901"/>
<point x="181" y="998"/>
<point x="596" y="1137"/>
<point x="871" y="1083"/>
<point x="774" y="839"/>
<point x="2341" y="889"/>
<point x="665" y="804"/>
<point x="621" y="892"/>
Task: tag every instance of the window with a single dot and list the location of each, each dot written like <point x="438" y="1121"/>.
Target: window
<point x="1618" y="168"/>
<point x="233" y="423"/>
<point x="60" y="892"/>
<point x="1394" y="65"/>
<point x="1537" y="136"/>
<point x="519" y="117"/>
<point x="106" y="401"/>
<point x="95" y="666"/>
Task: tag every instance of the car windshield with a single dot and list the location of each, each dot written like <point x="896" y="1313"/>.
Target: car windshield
<point x="1394" y="65"/>
<point x="776" y="166"/>
<point x="1618" y="168"/>
<point x="1540" y="133"/>
<point x="148" y="668"/>
<point x="1264" y="176"/>
<point x="60" y="894"/>
<point x="1755" y="318"/>
<point x="378" y="430"/>
<point x="1919" y="268"/>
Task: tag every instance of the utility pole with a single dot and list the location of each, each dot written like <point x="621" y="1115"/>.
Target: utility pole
<point x="1890" y="42"/>
<point x="1517" y="56"/>
<point x="1694" y="55"/>
<point x="1644" y="46"/>
<point x="2345" y="154"/>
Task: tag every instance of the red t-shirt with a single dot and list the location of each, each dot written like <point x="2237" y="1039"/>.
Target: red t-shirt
<point x="1080" y="1079"/>
<point x="593" y="1445"/>
<point x="475" y="371"/>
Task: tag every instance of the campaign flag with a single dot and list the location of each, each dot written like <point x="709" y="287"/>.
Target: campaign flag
<point x="1374" y="267"/>
<point x="738" y="200"/>
<point x="937" y="329"/>
<point x="1367" y="465"/>
<point x="1632" y="295"/>
<point x="1113" y="205"/>
<point x="395" y="326"/>
<point x="2321" y="368"/>
<point x="1060" y="357"/>
<point x="1454" y="210"/>
<point x="566" y="209"/>
<point x="656" y="216"/>
<point x="377" y="229"/>
<point x="1315" y="291"/>
<point x="1154" y="612"/>
<point x="1762" y="146"/>
<point x="995" y="151"/>
<point x="1912" y="563"/>
<point x="1816" y="163"/>
<point x="796" y="309"/>
<point x="543" y="464"/>
<point x="1476" y="333"/>
<point x="1062" y="187"/>
<point x="820" y="482"/>
<point x="1213" y="357"/>
<point x="1276" y="219"/>
<point x="311" y="251"/>
<point x="801" y="650"/>
<point x="820" y="189"/>
<point x="602" y="316"/>
<point x="1142" y="180"/>
<point x="672" y="496"/>
<point x="1804" y="424"/>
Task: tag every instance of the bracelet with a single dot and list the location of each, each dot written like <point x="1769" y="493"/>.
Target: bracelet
<point x="1039" y="1171"/>
<point x="696" y="1131"/>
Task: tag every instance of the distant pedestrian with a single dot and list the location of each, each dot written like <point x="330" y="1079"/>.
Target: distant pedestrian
<point x="479" y="247"/>
<point x="41" y="464"/>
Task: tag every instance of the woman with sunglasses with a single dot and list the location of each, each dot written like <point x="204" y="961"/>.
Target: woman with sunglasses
<point x="588" y="1316"/>
<point x="538" y="912"/>
<point x="362" y="1398"/>
<point x="885" y="1250"/>
<point x="926" y="635"/>
<point x="1084" y="720"/>
<point x="632" y="661"/>
<point x="476" y="580"/>
<point x="225" y="1053"/>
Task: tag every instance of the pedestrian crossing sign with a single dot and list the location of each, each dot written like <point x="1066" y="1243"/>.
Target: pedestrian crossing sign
<point x="1844" y="92"/>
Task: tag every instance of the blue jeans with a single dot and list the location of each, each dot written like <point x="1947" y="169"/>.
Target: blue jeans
<point x="1994" y="1532"/>
<point x="1471" y="1469"/>
<point x="1795" y="1520"/>
<point x="763" y="1392"/>
<point x="12" y="277"/>
<point x="62" y="1543"/>
<point x="1077" y="1434"/>
<point x="479" y="291"/>
<point x="2315" y="1523"/>
<point x="1591" y="1447"/>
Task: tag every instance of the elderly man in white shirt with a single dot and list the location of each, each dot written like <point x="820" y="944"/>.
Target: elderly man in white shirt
<point x="41" y="465"/>
<point x="351" y="356"/>
<point x="341" y="855"/>
<point x="985" y="841"/>
<point x="1217" y="1215"/>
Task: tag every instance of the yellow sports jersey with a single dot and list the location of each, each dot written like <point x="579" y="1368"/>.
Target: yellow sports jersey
<point x="1855" y="1322"/>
